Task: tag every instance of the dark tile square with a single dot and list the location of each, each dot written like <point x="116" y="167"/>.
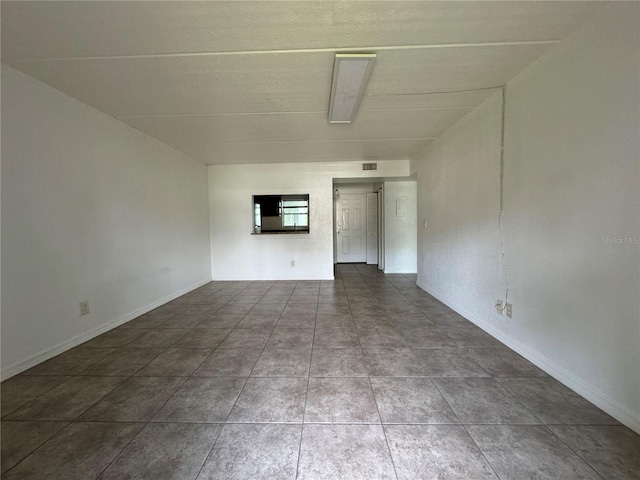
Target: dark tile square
<point x="136" y="400"/>
<point x="302" y="300"/>
<point x="252" y="299"/>
<point x="184" y="320"/>
<point x="175" y="362"/>
<point x="283" y="362"/>
<point x="472" y="337"/>
<point x="71" y="362"/>
<point x="411" y="400"/>
<point x="380" y="337"/>
<point x="483" y="400"/>
<point x="297" y="321"/>
<point x="203" y="309"/>
<point x="203" y="338"/>
<point x="19" y="390"/>
<point x="148" y="320"/>
<point x="553" y="403"/>
<point x="374" y="321"/>
<point x="19" y="439"/>
<point x="291" y="338"/>
<point x="356" y="452"/>
<point x="335" y="338"/>
<point x="392" y="362"/>
<point x="268" y="308"/>
<point x="246" y="338"/>
<point x="521" y="451"/>
<point x="254" y="452"/>
<point x="68" y="400"/>
<point x="420" y="337"/>
<point x="259" y="320"/>
<point x="338" y="362"/>
<point x="164" y="450"/>
<point x="503" y="362"/>
<point x="236" y="308"/>
<point x="340" y="400"/>
<point x="80" y="451"/>
<point x="448" y="362"/>
<point x="162" y="337"/>
<point x="118" y="337"/>
<point x="123" y="363"/>
<point x="229" y="362"/>
<point x="300" y="309"/>
<point x="436" y="451"/>
<point x="270" y="400"/>
<point x="329" y="320"/>
<point x="202" y="399"/>
<point x="222" y="321"/>
<point x="613" y="451"/>
<point x="334" y="309"/>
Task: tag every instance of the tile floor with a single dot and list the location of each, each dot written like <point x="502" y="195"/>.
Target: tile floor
<point x="367" y="377"/>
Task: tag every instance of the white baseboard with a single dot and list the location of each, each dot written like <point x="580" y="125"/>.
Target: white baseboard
<point x="400" y="270"/>
<point x="269" y="279"/>
<point x="51" y="352"/>
<point x="595" y="396"/>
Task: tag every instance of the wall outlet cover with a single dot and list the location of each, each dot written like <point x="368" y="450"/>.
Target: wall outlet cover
<point x="84" y="308"/>
<point x="509" y="310"/>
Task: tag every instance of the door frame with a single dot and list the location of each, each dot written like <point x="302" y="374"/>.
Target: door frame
<point x="381" y="228"/>
<point x="380" y="214"/>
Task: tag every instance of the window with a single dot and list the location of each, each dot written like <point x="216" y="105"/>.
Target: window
<point x="281" y="213"/>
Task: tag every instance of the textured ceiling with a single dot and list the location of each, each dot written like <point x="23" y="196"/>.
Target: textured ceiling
<point x="249" y="82"/>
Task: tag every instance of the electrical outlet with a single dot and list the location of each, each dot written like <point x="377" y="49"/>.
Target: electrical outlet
<point x="509" y="310"/>
<point x="84" y="308"/>
<point x="499" y="307"/>
<point x="293" y="263"/>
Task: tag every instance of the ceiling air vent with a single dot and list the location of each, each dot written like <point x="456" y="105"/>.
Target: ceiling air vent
<point x="369" y="166"/>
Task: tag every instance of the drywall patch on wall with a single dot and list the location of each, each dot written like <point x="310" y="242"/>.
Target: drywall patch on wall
<point x="92" y="210"/>
<point x="570" y="186"/>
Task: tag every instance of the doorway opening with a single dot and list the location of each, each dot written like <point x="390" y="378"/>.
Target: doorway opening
<point x="358" y="226"/>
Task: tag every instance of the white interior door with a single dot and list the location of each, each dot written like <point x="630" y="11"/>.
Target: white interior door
<point x="372" y="228"/>
<point x="351" y="228"/>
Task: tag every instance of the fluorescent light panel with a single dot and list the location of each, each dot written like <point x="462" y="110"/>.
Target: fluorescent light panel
<point x="351" y="72"/>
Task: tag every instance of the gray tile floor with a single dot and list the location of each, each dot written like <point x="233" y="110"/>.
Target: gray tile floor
<point x="367" y="377"/>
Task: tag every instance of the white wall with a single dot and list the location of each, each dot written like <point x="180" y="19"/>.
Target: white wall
<point x="91" y="210"/>
<point x="400" y="223"/>
<point x="238" y="255"/>
<point x="571" y="180"/>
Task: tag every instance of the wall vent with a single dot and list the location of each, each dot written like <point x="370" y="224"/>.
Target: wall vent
<point x="369" y="166"/>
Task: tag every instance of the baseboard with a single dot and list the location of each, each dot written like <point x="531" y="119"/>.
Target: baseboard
<point x="399" y="271"/>
<point x="51" y="352"/>
<point x="271" y="278"/>
<point x="595" y="396"/>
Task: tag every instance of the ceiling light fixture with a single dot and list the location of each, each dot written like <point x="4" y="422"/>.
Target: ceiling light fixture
<point x="351" y="72"/>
